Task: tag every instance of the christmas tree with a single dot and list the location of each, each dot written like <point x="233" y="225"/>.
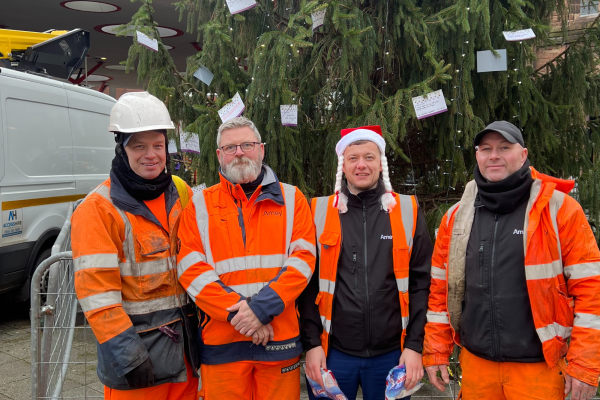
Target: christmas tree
<point x="364" y="65"/>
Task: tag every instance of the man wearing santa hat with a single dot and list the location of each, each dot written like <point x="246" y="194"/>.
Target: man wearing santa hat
<point x="374" y="257"/>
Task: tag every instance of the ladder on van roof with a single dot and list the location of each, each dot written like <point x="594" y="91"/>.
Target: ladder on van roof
<point x="55" y="53"/>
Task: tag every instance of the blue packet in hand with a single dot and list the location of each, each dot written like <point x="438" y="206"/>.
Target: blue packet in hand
<point x="394" y="388"/>
<point x="331" y="389"/>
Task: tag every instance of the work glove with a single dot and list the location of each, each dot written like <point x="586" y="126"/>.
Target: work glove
<point x="141" y="376"/>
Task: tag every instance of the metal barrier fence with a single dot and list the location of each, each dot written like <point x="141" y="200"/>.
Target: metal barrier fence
<point x="54" y="320"/>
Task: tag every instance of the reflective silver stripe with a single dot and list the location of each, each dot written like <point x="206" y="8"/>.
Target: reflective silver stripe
<point x="438" y="273"/>
<point x="100" y="300"/>
<point x="249" y="262"/>
<point x="583" y="270"/>
<point x="249" y="289"/>
<point x="543" y="271"/>
<point x="402" y="285"/>
<point x="449" y="213"/>
<point x="404" y="322"/>
<point x="589" y="321"/>
<point x="189" y="260"/>
<point x="320" y="217"/>
<point x="299" y="265"/>
<point x="146" y="268"/>
<point x="96" y="261"/>
<point x="438" y="317"/>
<point x="290" y="204"/>
<point x="406" y="209"/>
<point x="202" y="220"/>
<point x="325" y="285"/>
<point x="549" y="332"/>
<point x="533" y="195"/>
<point x="201" y="281"/>
<point x="149" y="306"/>
<point x="303" y="245"/>
<point x="555" y="204"/>
<point x="326" y="324"/>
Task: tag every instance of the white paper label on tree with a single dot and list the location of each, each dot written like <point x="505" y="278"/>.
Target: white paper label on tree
<point x="515" y="36"/>
<point x="172" y="147"/>
<point x="190" y="142"/>
<point x="233" y="109"/>
<point x="199" y="188"/>
<point x="204" y="75"/>
<point x="430" y="104"/>
<point x="289" y="115"/>
<point x="489" y="62"/>
<point x="145" y="41"/>
<point x="318" y="18"/>
<point x="237" y="6"/>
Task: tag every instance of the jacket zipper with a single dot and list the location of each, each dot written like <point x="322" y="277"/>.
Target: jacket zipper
<point x="354" y="267"/>
<point x="492" y="308"/>
<point x="481" y="266"/>
<point x="367" y="305"/>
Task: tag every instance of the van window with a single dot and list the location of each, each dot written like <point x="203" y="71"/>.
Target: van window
<point x="39" y="138"/>
<point x="93" y="144"/>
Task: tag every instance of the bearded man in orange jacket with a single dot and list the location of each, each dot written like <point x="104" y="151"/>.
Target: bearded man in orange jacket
<point x="515" y="282"/>
<point x="247" y="252"/>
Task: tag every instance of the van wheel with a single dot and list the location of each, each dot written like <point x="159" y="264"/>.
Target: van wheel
<point x="44" y="281"/>
<point x="24" y="293"/>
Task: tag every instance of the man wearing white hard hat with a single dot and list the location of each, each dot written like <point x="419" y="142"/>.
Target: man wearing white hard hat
<point x="124" y="240"/>
<point x="374" y="260"/>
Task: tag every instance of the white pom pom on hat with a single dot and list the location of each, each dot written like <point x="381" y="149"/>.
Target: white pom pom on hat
<point x="373" y="134"/>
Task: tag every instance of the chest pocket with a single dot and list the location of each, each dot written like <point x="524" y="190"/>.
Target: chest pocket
<point x="154" y="267"/>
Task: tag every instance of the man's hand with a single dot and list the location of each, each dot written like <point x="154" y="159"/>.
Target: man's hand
<point x="580" y="390"/>
<point x="413" y="362"/>
<point x="435" y="381"/>
<point x="315" y="360"/>
<point x="245" y="321"/>
<point x="263" y="335"/>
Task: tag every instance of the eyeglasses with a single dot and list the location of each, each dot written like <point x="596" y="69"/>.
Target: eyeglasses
<point x="232" y="148"/>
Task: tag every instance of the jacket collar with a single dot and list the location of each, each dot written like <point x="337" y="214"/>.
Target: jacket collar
<point x="370" y="197"/>
<point x="562" y="185"/>
<point x="127" y="203"/>
<point x="269" y="188"/>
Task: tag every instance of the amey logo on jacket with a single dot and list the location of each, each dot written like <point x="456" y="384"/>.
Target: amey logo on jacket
<point x="517" y="232"/>
<point x="272" y="213"/>
<point x="384" y="237"/>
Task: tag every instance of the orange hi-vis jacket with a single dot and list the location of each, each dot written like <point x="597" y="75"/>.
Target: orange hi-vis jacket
<point x="562" y="268"/>
<point x="234" y="249"/>
<point x="403" y="219"/>
<point x="126" y="282"/>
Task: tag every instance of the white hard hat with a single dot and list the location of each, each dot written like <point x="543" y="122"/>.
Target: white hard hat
<point x="138" y="112"/>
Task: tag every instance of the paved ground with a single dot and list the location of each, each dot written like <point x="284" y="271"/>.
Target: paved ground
<point x="81" y="379"/>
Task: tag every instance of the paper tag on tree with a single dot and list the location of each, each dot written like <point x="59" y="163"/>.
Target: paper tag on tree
<point x="233" y="109"/>
<point x="190" y="142"/>
<point x="489" y="62"/>
<point x="237" y="6"/>
<point x="199" y="188"/>
<point x="204" y="75"/>
<point x="172" y="147"/>
<point x="516" y="36"/>
<point x="289" y="115"/>
<point x="145" y="41"/>
<point x="430" y="104"/>
<point x="318" y="18"/>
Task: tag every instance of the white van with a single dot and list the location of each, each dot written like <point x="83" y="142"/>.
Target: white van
<point x="54" y="148"/>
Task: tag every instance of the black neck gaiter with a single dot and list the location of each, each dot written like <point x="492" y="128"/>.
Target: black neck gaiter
<point x="506" y="195"/>
<point x="250" y="187"/>
<point x="139" y="188"/>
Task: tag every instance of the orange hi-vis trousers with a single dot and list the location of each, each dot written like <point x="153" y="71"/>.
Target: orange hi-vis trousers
<point x="489" y="380"/>
<point x="251" y="380"/>
<point x="167" y="391"/>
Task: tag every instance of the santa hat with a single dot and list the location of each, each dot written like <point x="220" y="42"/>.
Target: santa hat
<point x="372" y="134"/>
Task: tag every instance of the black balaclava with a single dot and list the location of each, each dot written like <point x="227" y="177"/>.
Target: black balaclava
<point x="139" y="188"/>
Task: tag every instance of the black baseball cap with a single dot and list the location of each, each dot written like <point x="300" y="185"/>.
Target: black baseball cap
<point x="505" y="128"/>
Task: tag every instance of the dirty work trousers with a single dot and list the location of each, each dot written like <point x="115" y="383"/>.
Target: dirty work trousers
<point x="483" y="379"/>
<point x="251" y="380"/>
<point x="167" y="391"/>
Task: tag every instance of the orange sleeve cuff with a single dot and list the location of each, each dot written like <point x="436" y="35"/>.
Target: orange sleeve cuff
<point x="583" y="374"/>
<point x="436" y="359"/>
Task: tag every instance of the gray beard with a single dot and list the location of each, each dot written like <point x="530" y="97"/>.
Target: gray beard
<point x="242" y="170"/>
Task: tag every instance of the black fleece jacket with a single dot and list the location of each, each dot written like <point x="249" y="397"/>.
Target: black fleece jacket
<point x="366" y="319"/>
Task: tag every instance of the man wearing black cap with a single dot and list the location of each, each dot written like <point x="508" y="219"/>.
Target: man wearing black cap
<point x="515" y="282"/>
